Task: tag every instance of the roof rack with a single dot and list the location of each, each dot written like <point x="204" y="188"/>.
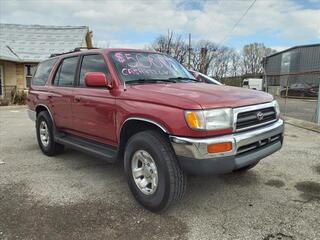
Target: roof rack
<point x="78" y="49"/>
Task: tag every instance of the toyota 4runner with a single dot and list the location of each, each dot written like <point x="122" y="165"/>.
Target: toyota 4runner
<point x="145" y="109"/>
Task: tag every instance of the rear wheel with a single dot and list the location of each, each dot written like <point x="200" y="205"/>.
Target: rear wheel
<point x="152" y="170"/>
<point x="45" y="135"/>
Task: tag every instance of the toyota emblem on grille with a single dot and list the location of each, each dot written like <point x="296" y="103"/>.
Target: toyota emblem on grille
<point x="260" y="116"/>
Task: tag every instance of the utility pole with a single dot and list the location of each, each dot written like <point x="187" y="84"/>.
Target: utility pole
<point x="318" y="107"/>
<point x="189" y="50"/>
<point x="265" y="80"/>
<point x="203" y="60"/>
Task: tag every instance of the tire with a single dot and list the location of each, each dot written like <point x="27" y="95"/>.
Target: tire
<point x="44" y="123"/>
<point x="245" y="169"/>
<point x="171" y="180"/>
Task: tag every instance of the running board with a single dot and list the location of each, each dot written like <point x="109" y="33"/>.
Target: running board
<point x="93" y="148"/>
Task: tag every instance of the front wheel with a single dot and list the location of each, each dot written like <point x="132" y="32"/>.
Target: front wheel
<point x="154" y="176"/>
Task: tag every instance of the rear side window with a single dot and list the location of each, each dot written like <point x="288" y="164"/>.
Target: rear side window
<point x="43" y="71"/>
<point x="92" y="63"/>
<point x="66" y="72"/>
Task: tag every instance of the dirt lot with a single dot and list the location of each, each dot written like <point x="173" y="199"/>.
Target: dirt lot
<point x="74" y="196"/>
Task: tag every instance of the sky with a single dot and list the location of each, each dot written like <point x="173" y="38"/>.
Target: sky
<point x="278" y="24"/>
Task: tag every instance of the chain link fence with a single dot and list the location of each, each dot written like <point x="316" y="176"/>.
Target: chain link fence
<point x="297" y="94"/>
<point x="293" y="78"/>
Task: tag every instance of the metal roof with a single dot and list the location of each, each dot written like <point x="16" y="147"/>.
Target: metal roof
<point x="34" y="43"/>
<point x="296" y="60"/>
<point x="292" y="48"/>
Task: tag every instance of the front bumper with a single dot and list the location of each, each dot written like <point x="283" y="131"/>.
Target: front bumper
<point x="248" y="148"/>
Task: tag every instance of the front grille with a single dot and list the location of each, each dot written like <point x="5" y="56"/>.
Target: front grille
<point x="259" y="144"/>
<point x="250" y="119"/>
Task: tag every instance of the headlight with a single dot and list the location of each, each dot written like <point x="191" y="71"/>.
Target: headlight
<point x="210" y="119"/>
<point x="277" y="108"/>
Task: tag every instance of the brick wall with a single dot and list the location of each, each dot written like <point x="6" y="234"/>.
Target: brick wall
<point x="13" y="76"/>
<point x="9" y="78"/>
<point x="20" y="75"/>
<point x="9" y="73"/>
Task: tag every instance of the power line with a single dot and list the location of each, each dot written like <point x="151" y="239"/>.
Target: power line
<point x="237" y="23"/>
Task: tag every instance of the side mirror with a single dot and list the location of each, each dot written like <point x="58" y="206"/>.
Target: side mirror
<point x="97" y="79"/>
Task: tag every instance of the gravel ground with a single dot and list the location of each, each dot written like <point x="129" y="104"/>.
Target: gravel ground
<point x="74" y="196"/>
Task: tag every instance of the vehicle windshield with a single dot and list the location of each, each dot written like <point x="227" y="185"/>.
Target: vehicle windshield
<point x="144" y="67"/>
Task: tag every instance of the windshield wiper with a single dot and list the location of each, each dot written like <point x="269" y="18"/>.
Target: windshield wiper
<point x="152" y="80"/>
<point x="183" y="78"/>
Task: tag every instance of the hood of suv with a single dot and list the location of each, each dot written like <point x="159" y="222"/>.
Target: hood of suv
<point x="198" y="95"/>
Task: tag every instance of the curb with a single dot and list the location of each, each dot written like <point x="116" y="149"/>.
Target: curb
<point x="302" y="124"/>
<point x="13" y="107"/>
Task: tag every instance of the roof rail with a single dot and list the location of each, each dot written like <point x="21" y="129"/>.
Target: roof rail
<point x="78" y="49"/>
<point x="81" y="48"/>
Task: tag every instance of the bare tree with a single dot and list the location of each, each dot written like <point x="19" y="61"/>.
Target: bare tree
<point x="179" y="49"/>
<point x="202" y="55"/>
<point x="252" y="56"/>
<point x="235" y="64"/>
<point x="172" y="44"/>
<point x="221" y="63"/>
<point x="209" y="58"/>
<point x="163" y="43"/>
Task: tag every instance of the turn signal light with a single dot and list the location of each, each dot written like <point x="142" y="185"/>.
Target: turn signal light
<point x="193" y="120"/>
<point x="219" y="147"/>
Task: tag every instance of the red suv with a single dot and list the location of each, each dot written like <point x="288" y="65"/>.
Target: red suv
<point x="147" y="110"/>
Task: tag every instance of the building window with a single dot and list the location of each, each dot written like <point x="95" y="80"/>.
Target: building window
<point x="29" y="70"/>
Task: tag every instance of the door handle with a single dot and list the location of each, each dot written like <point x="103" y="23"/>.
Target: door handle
<point x="77" y="99"/>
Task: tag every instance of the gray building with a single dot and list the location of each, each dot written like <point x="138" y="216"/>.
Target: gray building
<point x="296" y="65"/>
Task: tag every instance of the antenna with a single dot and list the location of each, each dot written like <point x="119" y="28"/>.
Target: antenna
<point x="124" y="86"/>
